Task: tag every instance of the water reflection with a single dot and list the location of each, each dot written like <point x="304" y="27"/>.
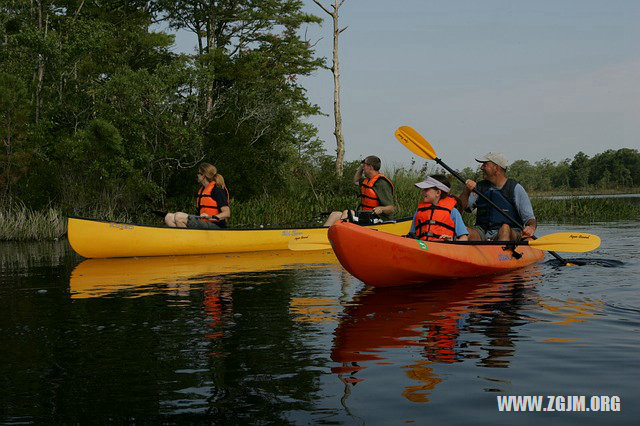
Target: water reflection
<point x="571" y="311"/>
<point x="218" y="306"/>
<point x="313" y="309"/>
<point x="24" y="255"/>
<point x="136" y="277"/>
<point x="440" y="321"/>
<point x="422" y="373"/>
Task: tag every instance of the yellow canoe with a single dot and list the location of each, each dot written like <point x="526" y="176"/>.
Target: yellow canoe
<point x="95" y="238"/>
<point x="153" y="275"/>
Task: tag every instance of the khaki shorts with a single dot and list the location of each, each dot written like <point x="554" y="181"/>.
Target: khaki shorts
<point x="492" y="234"/>
<point x="196" y="222"/>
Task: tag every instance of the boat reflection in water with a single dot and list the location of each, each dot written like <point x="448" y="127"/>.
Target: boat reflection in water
<point x="151" y="275"/>
<point x="448" y="321"/>
<point x="176" y="275"/>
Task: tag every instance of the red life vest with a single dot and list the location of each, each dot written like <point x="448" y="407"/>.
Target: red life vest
<point x="432" y="222"/>
<point x="205" y="203"/>
<point x="368" y="197"/>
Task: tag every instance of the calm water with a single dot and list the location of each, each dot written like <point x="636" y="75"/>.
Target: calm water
<point x="292" y="338"/>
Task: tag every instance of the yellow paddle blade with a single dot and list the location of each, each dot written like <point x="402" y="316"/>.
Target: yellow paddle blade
<point x="575" y="242"/>
<point x="309" y="242"/>
<point x="415" y="142"/>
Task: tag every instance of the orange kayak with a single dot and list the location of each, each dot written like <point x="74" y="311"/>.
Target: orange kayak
<point x="384" y="260"/>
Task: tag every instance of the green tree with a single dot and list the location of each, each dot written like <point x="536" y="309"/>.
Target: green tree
<point x="579" y="171"/>
<point x="91" y="63"/>
<point x="14" y="112"/>
<point x="251" y="105"/>
<point x="615" y="168"/>
<point x="523" y="172"/>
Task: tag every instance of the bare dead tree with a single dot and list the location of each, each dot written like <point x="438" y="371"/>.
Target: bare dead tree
<point x="39" y="74"/>
<point x="335" y="69"/>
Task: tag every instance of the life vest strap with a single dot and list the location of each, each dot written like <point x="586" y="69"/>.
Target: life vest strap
<point x="435" y="222"/>
<point x="431" y="235"/>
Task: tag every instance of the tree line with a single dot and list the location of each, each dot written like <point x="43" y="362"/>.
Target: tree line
<point x="609" y="170"/>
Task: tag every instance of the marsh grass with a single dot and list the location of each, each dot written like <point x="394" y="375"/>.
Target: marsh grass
<point x="19" y="223"/>
<point x="586" y="210"/>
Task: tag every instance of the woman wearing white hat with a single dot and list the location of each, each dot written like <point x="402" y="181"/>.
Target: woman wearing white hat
<point x="437" y="217"/>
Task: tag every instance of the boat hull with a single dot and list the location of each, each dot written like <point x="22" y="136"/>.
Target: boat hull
<point x="383" y="260"/>
<point x="93" y="238"/>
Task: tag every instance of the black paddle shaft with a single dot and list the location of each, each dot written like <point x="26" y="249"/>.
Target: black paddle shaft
<point x="484" y="197"/>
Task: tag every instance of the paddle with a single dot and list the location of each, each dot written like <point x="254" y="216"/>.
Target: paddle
<point x="576" y="242"/>
<point x="417" y="144"/>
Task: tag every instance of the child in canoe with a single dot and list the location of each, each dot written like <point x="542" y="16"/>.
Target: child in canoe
<point x="436" y="217"/>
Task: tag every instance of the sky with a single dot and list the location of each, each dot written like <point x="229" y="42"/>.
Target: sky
<point x="535" y="80"/>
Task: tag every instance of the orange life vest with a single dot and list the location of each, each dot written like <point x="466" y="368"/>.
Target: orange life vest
<point x="205" y="203"/>
<point x="432" y="222"/>
<point x="368" y="197"/>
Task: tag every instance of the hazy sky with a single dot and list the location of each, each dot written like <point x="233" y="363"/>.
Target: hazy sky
<point x="533" y="79"/>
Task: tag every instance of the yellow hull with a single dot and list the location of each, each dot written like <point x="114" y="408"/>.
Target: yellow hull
<point x="152" y="275"/>
<point x="97" y="239"/>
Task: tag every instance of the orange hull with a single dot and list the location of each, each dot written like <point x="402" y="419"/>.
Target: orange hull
<point x="384" y="260"/>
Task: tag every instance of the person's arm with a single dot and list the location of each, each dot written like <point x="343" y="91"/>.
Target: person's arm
<point x="225" y="213"/>
<point x="384" y="210"/>
<point x="358" y="175"/>
<point x="469" y="186"/>
<point x="384" y="191"/>
<point x="412" y="230"/>
<point x="530" y="228"/>
<point x="461" y="232"/>
<point x="525" y="210"/>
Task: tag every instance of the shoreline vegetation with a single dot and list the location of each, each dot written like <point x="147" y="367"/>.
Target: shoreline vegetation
<point x="21" y="223"/>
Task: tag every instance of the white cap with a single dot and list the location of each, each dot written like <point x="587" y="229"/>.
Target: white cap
<point x="433" y="183"/>
<point x="494" y="157"/>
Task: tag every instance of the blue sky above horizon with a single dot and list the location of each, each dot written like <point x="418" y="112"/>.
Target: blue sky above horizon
<point x="535" y="80"/>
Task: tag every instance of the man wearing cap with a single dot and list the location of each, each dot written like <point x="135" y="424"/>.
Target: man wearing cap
<point x="507" y="194"/>
<point x="437" y="217"/>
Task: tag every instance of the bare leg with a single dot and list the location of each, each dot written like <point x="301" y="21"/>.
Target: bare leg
<point x="170" y="220"/>
<point x="505" y="233"/>
<point x="345" y="214"/>
<point x="333" y="218"/>
<point x="473" y="235"/>
<point x="181" y="219"/>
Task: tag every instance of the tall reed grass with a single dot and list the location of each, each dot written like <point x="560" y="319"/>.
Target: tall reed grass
<point x="19" y="223"/>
